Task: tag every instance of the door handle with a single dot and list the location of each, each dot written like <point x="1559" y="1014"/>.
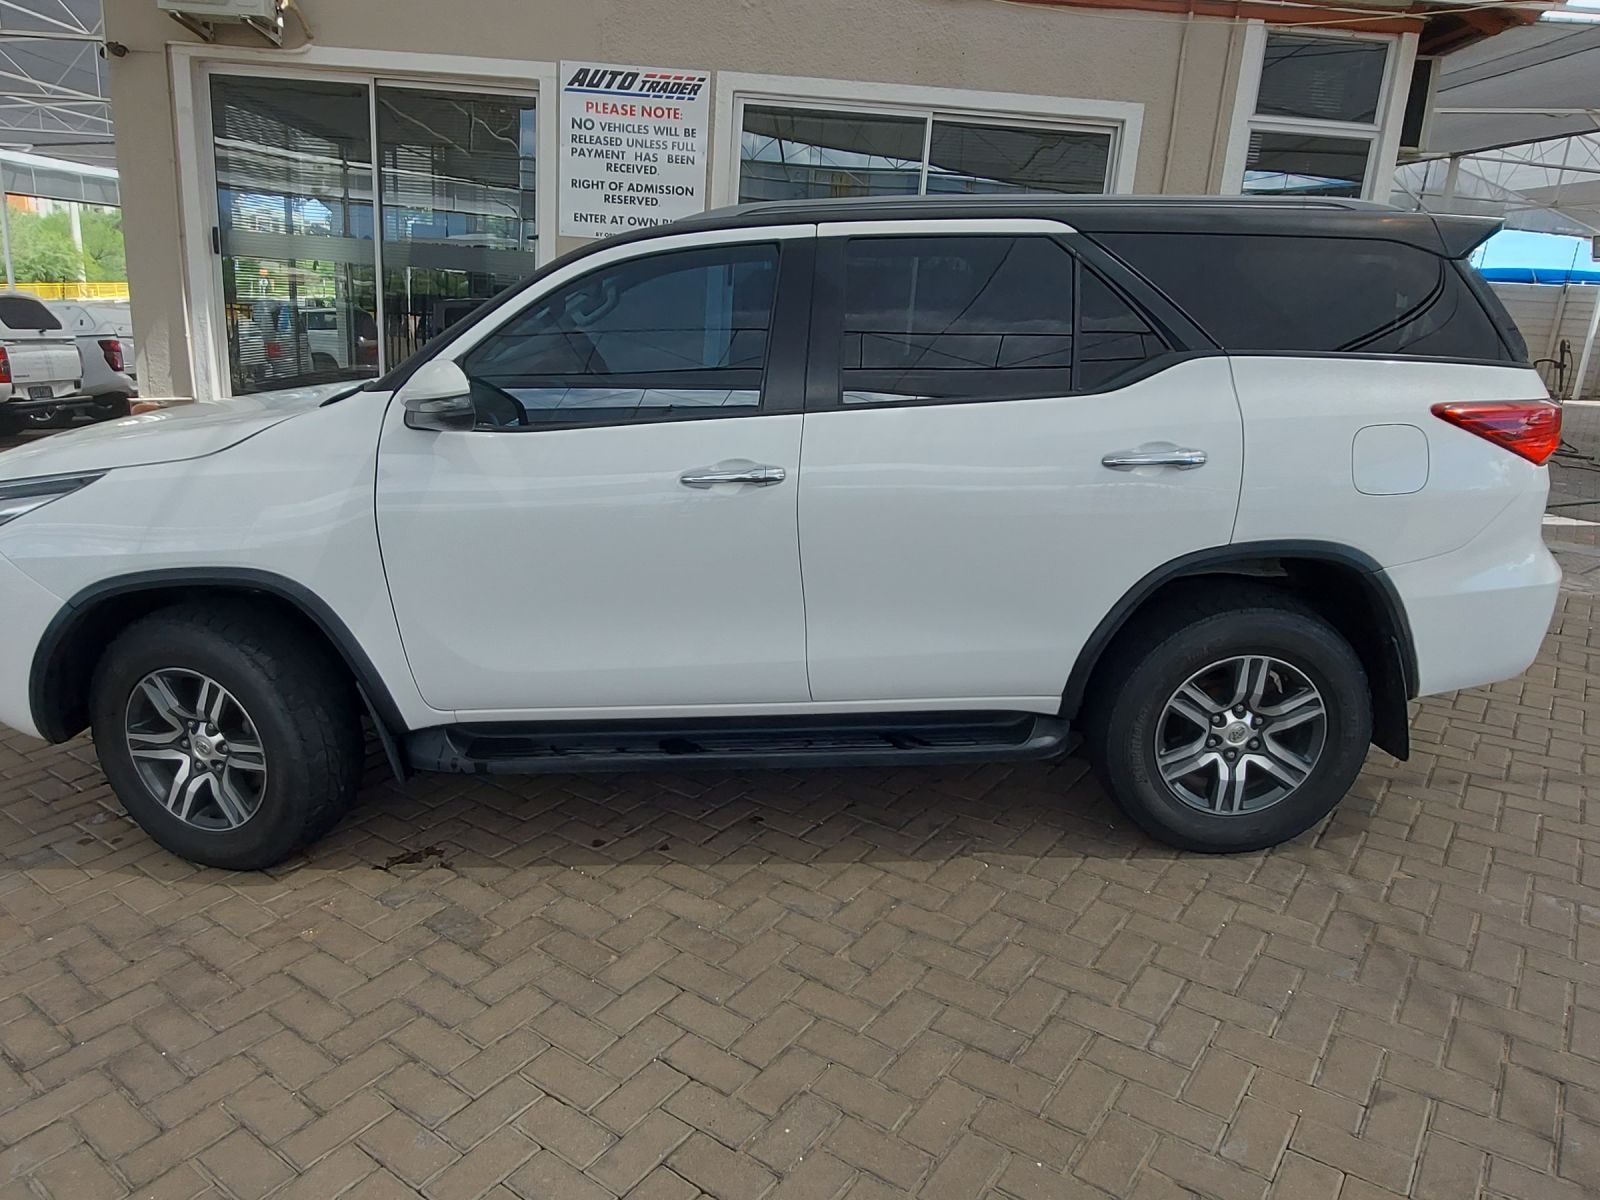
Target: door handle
<point x="759" y="476"/>
<point x="1128" y="460"/>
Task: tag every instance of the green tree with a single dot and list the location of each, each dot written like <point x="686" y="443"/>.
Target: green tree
<point x="41" y="248"/>
<point x="103" y="255"/>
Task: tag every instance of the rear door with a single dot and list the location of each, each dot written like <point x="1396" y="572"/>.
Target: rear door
<point x="979" y="401"/>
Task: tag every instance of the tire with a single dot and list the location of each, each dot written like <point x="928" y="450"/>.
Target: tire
<point x="324" y="362"/>
<point x="295" y="700"/>
<point x="10" y="424"/>
<point x="1198" y="641"/>
<point x="110" y="407"/>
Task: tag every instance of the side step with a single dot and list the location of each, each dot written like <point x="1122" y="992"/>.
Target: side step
<point x="880" y="740"/>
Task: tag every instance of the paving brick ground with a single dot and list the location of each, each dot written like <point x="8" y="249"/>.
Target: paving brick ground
<point x="816" y="985"/>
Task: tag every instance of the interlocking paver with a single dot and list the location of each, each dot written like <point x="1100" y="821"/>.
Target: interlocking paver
<point x="822" y="984"/>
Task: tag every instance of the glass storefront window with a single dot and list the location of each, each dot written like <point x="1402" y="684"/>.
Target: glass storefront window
<point x="457" y="177"/>
<point x="294" y="224"/>
<point x="301" y="248"/>
<point x="793" y="153"/>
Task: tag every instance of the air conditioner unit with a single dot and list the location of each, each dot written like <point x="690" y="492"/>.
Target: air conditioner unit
<point x="202" y="16"/>
<point x="1417" y="122"/>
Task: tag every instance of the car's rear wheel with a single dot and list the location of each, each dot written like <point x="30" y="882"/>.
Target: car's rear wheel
<point x="1232" y="721"/>
<point x="227" y="733"/>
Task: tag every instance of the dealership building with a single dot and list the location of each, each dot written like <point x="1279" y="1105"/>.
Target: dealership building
<point x="314" y="194"/>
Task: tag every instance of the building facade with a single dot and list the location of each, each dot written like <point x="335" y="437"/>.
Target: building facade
<point x="318" y="210"/>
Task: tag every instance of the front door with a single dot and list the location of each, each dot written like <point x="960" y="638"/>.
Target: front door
<point x="619" y="531"/>
<point x="961" y="527"/>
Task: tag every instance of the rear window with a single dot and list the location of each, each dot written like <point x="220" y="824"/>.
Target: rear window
<point x="24" y="312"/>
<point x="1319" y="295"/>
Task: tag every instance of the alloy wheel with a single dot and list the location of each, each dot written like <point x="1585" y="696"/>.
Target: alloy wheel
<point x="196" y="749"/>
<point x="1241" y="735"/>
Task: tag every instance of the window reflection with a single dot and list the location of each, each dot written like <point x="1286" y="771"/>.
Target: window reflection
<point x="1305" y="164"/>
<point x="294" y="225"/>
<point x="458" y="175"/>
<point x="801" y="153"/>
<point x="795" y="154"/>
<point x="977" y="158"/>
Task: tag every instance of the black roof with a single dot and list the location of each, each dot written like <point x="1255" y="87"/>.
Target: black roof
<point x="1316" y="217"/>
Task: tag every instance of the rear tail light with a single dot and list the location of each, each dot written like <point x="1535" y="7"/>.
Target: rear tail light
<point x="112" y="349"/>
<point x="5" y="366"/>
<point x="1528" y="428"/>
<point x="273" y="349"/>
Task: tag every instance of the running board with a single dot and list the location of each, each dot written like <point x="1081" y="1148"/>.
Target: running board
<point x="880" y="740"/>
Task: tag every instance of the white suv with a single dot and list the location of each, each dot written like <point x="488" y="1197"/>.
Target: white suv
<point x="1222" y="484"/>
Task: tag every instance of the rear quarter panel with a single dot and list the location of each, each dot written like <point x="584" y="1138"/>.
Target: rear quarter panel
<point x="1301" y="417"/>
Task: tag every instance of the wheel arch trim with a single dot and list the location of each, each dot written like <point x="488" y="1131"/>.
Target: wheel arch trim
<point x="44" y="696"/>
<point x="1379" y="588"/>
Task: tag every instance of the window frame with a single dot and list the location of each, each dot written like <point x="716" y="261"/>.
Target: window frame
<point x="824" y="378"/>
<point x="782" y="383"/>
<point x="734" y="90"/>
<point x="1382" y="134"/>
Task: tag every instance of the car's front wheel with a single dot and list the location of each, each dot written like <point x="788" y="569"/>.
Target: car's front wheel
<point x="1233" y="721"/>
<point x="227" y="732"/>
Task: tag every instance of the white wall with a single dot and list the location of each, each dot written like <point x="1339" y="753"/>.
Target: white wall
<point x="1536" y="307"/>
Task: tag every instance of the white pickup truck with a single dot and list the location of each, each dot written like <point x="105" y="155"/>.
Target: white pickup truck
<point x="39" y="363"/>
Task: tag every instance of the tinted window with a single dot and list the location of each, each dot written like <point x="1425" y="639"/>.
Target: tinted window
<point x="788" y="153"/>
<point x="793" y="153"/>
<point x="1324" y="79"/>
<point x="1317" y="295"/>
<point x="980" y="158"/>
<point x="955" y="318"/>
<point x="1113" y="338"/>
<point x="24" y="312"/>
<point x="1305" y="164"/>
<point x="679" y="333"/>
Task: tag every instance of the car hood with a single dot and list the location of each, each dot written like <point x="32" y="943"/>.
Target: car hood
<point x="166" y="435"/>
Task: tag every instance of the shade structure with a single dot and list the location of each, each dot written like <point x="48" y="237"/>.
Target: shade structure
<point x="1516" y="132"/>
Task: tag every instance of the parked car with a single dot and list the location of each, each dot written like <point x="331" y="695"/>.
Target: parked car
<point x="105" y="351"/>
<point x="278" y="341"/>
<point x="40" y="371"/>
<point x="338" y="340"/>
<point x="1220" y="484"/>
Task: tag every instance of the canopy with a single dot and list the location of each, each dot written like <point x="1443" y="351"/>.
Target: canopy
<point x="53" y="81"/>
<point x="1516" y="131"/>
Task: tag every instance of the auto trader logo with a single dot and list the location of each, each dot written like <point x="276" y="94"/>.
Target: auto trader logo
<point x="617" y="81"/>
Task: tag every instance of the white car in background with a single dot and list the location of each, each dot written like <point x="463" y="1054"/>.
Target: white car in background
<point x="40" y="367"/>
<point x="104" y="333"/>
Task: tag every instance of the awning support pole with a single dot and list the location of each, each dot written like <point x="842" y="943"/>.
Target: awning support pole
<point x="1588" y="347"/>
<point x="5" y="237"/>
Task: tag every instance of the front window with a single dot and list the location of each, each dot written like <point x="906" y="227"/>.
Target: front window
<point x="677" y="334"/>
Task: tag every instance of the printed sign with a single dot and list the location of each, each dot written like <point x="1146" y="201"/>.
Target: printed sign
<point x="633" y="147"/>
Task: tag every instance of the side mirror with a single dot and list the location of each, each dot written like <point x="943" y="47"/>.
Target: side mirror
<point x="439" y="398"/>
